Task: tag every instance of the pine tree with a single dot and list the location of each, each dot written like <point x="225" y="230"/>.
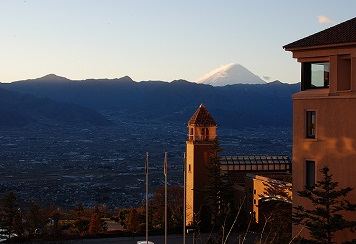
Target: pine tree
<point x="9" y="213"/>
<point x="219" y="191"/>
<point x="325" y="218"/>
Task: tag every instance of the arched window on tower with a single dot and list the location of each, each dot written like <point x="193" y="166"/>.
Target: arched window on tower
<point x="204" y="134"/>
<point x="191" y="134"/>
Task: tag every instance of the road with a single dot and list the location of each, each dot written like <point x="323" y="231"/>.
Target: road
<point x="172" y="239"/>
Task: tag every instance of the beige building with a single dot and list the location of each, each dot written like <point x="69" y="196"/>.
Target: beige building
<point x="261" y="199"/>
<point x="324" y="112"/>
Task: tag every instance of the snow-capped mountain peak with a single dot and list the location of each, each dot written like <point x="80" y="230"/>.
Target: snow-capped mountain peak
<point x="230" y="74"/>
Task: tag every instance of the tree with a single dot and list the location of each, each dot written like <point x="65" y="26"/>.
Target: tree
<point x="278" y="221"/>
<point x="36" y="218"/>
<point x="10" y="214"/>
<point x="219" y="192"/>
<point x="95" y="224"/>
<point x="134" y="220"/>
<point x="174" y="205"/>
<point x="81" y="222"/>
<point x="329" y="203"/>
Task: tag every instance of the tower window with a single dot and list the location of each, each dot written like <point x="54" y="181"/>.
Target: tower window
<point x="205" y="134"/>
<point x="310" y="117"/>
<point x="191" y="134"/>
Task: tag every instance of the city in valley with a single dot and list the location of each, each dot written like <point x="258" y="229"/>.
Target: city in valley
<point x="68" y="165"/>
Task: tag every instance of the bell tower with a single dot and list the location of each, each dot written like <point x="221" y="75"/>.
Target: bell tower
<point x="201" y="135"/>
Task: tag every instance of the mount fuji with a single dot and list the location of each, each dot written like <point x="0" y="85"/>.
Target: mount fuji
<point x="230" y="74"/>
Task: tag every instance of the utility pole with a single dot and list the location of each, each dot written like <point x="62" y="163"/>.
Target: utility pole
<point x="146" y="171"/>
<point x="184" y="203"/>
<point x="165" y="198"/>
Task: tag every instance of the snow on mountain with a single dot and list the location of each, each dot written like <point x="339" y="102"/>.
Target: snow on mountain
<point x="230" y="74"/>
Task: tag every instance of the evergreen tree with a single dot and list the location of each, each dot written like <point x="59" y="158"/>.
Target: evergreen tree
<point x="36" y="218"/>
<point x="219" y="192"/>
<point x="325" y="218"/>
<point x="9" y="214"/>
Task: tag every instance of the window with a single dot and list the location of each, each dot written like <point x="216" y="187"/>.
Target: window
<point x="315" y="75"/>
<point x="191" y="134"/>
<point x="343" y="73"/>
<point x="310" y="124"/>
<point x="310" y="173"/>
<point x="205" y="134"/>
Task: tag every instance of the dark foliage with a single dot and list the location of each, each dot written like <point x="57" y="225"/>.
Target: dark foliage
<point x="10" y="215"/>
<point x="219" y="194"/>
<point x="278" y="221"/>
<point x="327" y="216"/>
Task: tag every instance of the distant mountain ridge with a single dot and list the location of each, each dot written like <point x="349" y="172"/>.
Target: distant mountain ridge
<point x="230" y="74"/>
<point x="17" y="109"/>
<point x="240" y="105"/>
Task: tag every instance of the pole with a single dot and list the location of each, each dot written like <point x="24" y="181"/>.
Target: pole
<point x="184" y="203"/>
<point x="165" y="197"/>
<point x="146" y="170"/>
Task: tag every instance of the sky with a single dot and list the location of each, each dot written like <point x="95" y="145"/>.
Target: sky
<point x="158" y="39"/>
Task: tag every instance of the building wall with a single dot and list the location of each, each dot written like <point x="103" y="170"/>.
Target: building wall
<point x="335" y="142"/>
<point x="256" y="189"/>
<point x="197" y="157"/>
<point x="334" y="145"/>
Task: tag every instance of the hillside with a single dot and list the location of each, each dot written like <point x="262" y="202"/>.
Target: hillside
<point x="240" y="105"/>
<point x="17" y="109"/>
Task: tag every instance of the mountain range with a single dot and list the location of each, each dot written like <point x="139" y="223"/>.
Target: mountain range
<point x="239" y="105"/>
<point x="17" y="109"/>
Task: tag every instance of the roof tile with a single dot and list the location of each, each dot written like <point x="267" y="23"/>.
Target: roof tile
<point x="202" y="117"/>
<point x="342" y="33"/>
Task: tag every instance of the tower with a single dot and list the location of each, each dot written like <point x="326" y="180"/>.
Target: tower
<point x="201" y="135"/>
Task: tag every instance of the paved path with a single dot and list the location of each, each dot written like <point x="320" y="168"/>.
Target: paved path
<point x="171" y="239"/>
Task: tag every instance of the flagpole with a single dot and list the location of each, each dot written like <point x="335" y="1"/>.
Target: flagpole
<point x="165" y="197"/>
<point x="146" y="171"/>
<point x="184" y="203"/>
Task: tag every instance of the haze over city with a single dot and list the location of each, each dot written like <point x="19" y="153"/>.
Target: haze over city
<point x="157" y="40"/>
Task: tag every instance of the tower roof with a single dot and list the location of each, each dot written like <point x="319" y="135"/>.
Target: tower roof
<point x="344" y="32"/>
<point x="202" y="117"/>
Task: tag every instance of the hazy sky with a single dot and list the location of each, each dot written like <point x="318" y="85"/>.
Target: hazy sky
<point x="157" y="40"/>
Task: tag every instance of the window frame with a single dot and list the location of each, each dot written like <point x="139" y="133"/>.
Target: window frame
<point x="310" y="173"/>
<point x="310" y="125"/>
<point x="307" y="73"/>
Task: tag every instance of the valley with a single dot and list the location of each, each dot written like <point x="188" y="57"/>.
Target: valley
<point x="64" y="165"/>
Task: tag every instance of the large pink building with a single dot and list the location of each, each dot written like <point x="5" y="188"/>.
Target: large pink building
<point x="324" y="112"/>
